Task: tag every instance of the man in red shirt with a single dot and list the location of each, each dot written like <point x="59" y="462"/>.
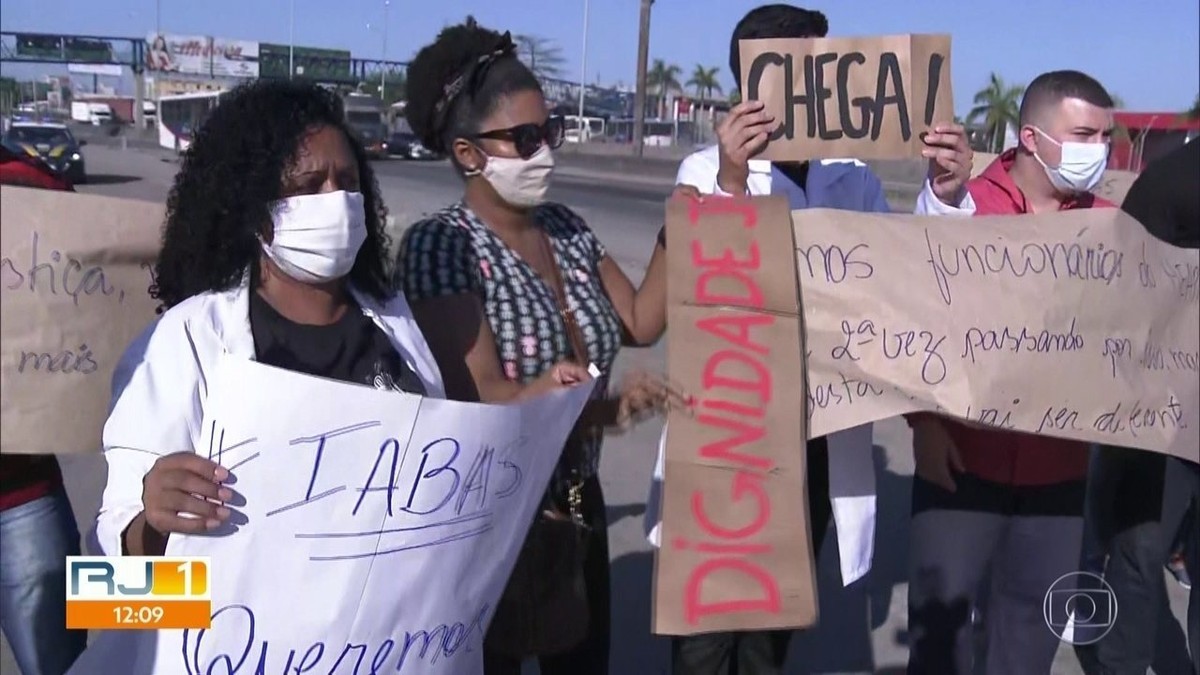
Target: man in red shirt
<point x="995" y="501"/>
<point x="37" y="525"/>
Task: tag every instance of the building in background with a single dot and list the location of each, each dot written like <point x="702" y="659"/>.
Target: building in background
<point x="1143" y="137"/>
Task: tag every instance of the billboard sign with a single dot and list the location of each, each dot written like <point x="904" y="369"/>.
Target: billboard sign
<point x="201" y="55"/>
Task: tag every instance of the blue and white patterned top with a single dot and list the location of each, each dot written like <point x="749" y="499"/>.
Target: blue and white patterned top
<point x="454" y="252"/>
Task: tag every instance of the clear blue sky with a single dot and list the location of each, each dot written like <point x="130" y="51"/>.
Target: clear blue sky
<point x="1144" y="51"/>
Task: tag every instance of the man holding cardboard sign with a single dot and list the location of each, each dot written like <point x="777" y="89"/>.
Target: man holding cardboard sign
<point x="1004" y="494"/>
<point x="753" y="158"/>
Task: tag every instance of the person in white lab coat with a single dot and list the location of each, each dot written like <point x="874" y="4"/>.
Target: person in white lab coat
<point x="274" y="250"/>
<point x="840" y="466"/>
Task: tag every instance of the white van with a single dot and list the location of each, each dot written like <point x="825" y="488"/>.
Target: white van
<point x="99" y="113"/>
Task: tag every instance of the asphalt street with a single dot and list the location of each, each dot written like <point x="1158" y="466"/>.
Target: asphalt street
<point x="862" y="628"/>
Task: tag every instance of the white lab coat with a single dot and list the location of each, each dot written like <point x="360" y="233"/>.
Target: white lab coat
<point x="851" y="461"/>
<point x="160" y="388"/>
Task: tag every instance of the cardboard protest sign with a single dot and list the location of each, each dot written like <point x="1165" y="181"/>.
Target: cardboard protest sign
<point x="1113" y="186"/>
<point x="369" y="536"/>
<point x="736" y="550"/>
<point x="866" y="98"/>
<point x="75" y="276"/>
<point x="1077" y="324"/>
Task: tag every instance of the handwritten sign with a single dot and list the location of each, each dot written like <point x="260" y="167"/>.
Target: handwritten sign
<point x="736" y="550"/>
<point x="74" y="276"/>
<point x="371" y="536"/>
<point x="867" y="98"/>
<point x="1077" y="324"/>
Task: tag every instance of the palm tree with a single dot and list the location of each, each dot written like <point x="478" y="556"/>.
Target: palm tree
<point x="662" y="79"/>
<point x="542" y="55"/>
<point x="705" y="82"/>
<point x="998" y="106"/>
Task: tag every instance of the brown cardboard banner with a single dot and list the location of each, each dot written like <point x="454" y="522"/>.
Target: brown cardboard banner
<point x="736" y="550"/>
<point x="75" y="277"/>
<point x="1077" y="324"/>
<point x="863" y="98"/>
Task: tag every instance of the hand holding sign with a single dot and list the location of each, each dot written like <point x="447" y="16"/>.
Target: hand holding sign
<point x="867" y="98"/>
<point x="183" y="493"/>
<point x="950" y="161"/>
<point x="740" y="136"/>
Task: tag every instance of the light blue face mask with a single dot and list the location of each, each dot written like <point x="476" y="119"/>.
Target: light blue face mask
<point x="1081" y="168"/>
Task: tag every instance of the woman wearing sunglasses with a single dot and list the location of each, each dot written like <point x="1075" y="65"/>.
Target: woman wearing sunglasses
<point x="506" y="286"/>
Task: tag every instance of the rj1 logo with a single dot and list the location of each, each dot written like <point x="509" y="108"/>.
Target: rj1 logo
<point x="104" y="577"/>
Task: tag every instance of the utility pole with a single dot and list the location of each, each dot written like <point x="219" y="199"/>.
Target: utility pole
<point x="583" y="72"/>
<point x="383" y="66"/>
<point x="639" y="97"/>
<point x="292" y="39"/>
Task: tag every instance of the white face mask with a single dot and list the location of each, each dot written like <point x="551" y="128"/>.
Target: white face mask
<point x="521" y="182"/>
<point x="1081" y="168"/>
<point x="317" y="237"/>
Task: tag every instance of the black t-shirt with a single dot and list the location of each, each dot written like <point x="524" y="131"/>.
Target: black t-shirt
<point x="1165" y="198"/>
<point x="797" y="172"/>
<point x="352" y="350"/>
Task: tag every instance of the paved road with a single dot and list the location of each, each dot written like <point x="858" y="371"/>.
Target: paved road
<point x="862" y="628"/>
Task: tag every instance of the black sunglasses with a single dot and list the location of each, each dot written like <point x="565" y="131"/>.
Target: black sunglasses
<point x="529" y="138"/>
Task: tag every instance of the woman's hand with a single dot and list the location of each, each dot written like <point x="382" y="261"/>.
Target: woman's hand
<point x="682" y="191"/>
<point x="562" y="374"/>
<point x="642" y="394"/>
<point x="183" y="493"/>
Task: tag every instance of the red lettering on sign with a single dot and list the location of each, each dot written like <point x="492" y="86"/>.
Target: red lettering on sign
<point x="728" y="259"/>
<point x="724" y="206"/>
<point x="727" y="266"/>
<point x="731" y="407"/>
<point x="744" y="549"/>
<point x="760" y="385"/>
<point x="744" y="484"/>
<point x="724" y="449"/>
<point x="695" y="608"/>
<point x="733" y="430"/>
<point x="736" y="330"/>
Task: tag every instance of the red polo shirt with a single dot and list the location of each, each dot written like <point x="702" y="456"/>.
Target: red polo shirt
<point x="1007" y="457"/>
<point x="24" y="478"/>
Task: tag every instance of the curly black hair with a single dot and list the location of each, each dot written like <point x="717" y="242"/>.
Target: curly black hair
<point x="462" y="51"/>
<point x="233" y="171"/>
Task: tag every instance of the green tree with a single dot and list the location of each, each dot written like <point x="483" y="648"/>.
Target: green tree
<point x="542" y="55"/>
<point x="1193" y="113"/>
<point x="997" y="106"/>
<point x="704" y="82"/>
<point x="663" y="79"/>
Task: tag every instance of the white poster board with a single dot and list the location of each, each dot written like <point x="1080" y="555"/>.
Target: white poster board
<point x="373" y="531"/>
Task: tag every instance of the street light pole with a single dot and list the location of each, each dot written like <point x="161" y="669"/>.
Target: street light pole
<point x="292" y="39"/>
<point x="383" y="66"/>
<point x="157" y="18"/>
<point x="639" y="97"/>
<point x="583" y="71"/>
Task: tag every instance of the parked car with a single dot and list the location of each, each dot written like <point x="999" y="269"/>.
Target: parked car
<point x="53" y="144"/>
<point x="407" y="145"/>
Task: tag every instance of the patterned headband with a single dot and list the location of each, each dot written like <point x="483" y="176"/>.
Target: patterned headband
<point x="471" y="75"/>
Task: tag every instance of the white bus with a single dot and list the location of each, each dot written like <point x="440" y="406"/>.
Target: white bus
<point x="592" y="128"/>
<point x="180" y="117"/>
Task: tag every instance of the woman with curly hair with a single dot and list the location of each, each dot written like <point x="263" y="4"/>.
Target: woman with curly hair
<point x="506" y="285"/>
<point x="274" y="250"/>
